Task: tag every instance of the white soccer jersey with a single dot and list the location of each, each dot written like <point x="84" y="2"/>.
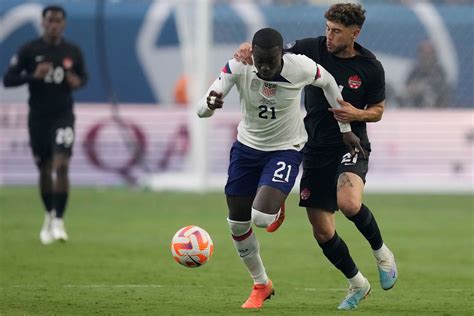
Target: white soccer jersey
<point x="271" y="114"/>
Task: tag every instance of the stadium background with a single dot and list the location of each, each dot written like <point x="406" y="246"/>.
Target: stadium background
<point x="135" y="59"/>
<point x="131" y="133"/>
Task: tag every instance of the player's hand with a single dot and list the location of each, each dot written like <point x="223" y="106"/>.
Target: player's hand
<point x="244" y="54"/>
<point x="353" y="144"/>
<point x="73" y="80"/>
<point x="215" y="100"/>
<point x="347" y="113"/>
<point x="42" y="69"/>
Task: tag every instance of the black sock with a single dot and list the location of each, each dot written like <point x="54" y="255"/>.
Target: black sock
<point x="47" y="201"/>
<point x="367" y="225"/>
<point x="60" y="200"/>
<point x="335" y="249"/>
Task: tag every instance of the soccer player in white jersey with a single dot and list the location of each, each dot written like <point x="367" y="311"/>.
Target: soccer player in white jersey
<point x="265" y="159"/>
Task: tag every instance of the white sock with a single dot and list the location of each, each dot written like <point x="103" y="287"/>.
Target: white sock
<point x="382" y="253"/>
<point x="357" y="280"/>
<point x="249" y="250"/>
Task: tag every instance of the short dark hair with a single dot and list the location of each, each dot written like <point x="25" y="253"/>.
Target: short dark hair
<point x="55" y="8"/>
<point x="267" y="38"/>
<point x="346" y="13"/>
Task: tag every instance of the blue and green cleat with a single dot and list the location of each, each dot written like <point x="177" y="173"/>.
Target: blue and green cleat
<point x="355" y="295"/>
<point x="388" y="273"/>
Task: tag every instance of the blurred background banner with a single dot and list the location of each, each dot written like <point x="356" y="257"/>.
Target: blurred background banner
<point x="141" y="58"/>
<point x="151" y="147"/>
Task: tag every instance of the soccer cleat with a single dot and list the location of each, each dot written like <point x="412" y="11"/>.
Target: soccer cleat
<point x="260" y="293"/>
<point x="58" y="230"/>
<point x="388" y="273"/>
<point x="354" y="296"/>
<point x="46" y="236"/>
<point x="277" y="223"/>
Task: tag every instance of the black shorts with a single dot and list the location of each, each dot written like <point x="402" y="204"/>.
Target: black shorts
<point x="321" y="169"/>
<point x="49" y="135"/>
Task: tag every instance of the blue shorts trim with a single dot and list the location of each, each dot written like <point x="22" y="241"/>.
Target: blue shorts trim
<point x="250" y="168"/>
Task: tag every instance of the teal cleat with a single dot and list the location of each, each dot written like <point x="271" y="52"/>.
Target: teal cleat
<point x="354" y="296"/>
<point x="388" y="273"/>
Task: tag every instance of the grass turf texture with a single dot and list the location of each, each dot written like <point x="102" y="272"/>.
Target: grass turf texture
<point x="118" y="258"/>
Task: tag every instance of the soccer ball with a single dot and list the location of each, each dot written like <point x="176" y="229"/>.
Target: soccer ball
<point x="191" y="246"/>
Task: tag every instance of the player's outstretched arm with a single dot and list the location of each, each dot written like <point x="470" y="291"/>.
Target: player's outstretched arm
<point x="16" y="74"/>
<point x="332" y="93"/>
<point x="73" y="80"/>
<point x="76" y="74"/>
<point x="373" y="112"/>
<point x="348" y="113"/>
<point x="214" y="98"/>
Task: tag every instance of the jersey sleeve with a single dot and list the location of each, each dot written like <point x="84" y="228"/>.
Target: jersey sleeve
<point x="16" y="74"/>
<point x="376" y="93"/>
<point x="326" y="81"/>
<point x="80" y="67"/>
<point x="223" y="84"/>
<point x="299" y="69"/>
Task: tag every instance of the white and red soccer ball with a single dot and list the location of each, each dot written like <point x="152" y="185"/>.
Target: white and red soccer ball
<point x="192" y="246"/>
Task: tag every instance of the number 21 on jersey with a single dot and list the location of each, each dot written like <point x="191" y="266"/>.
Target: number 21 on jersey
<point x="282" y="174"/>
<point x="264" y="112"/>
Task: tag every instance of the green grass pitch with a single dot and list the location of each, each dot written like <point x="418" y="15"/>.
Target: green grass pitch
<point x="118" y="259"/>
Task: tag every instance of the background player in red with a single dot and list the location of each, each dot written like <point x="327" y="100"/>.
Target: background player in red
<point x="332" y="178"/>
<point x="52" y="67"/>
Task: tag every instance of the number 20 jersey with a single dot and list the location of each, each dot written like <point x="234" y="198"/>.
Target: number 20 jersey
<point x="52" y="95"/>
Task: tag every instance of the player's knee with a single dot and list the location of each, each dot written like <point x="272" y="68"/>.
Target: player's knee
<point x="44" y="166"/>
<point x="61" y="166"/>
<point x="44" y="170"/>
<point x="261" y="219"/>
<point x="349" y="207"/>
<point x="62" y="169"/>
<point x="239" y="228"/>
<point x="323" y="230"/>
<point x="323" y="234"/>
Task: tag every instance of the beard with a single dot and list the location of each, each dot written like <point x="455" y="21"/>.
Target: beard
<point x="338" y="49"/>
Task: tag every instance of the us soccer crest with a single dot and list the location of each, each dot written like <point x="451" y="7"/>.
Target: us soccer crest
<point x="269" y="89"/>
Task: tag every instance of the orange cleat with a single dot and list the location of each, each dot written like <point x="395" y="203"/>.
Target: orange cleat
<point x="277" y="223"/>
<point x="260" y="293"/>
